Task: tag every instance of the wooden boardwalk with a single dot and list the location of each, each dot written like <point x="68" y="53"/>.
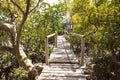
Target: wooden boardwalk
<point x="63" y="64"/>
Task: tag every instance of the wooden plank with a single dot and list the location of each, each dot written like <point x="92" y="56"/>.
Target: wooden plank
<point x="61" y="75"/>
<point x="61" y="78"/>
<point x="65" y="71"/>
<point x="63" y="61"/>
<point x="63" y="68"/>
<point x="61" y="72"/>
<point x="63" y="64"/>
<point x="63" y="54"/>
<point x="62" y="57"/>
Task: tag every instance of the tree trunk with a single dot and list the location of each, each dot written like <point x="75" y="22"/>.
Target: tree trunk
<point x="18" y="52"/>
<point x="25" y="62"/>
<point x="22" y="58"/>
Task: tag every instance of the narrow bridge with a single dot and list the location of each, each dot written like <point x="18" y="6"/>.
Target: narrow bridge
<point x="62" y="63"/>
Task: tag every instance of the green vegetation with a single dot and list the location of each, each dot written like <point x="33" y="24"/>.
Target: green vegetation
<point x="98" y="20"/>
<point x="34" y="19"/>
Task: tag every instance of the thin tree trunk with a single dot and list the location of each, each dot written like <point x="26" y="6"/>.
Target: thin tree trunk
<point x="18" y="52"/>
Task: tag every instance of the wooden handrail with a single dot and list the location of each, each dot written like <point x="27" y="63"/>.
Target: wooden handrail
<point x="74" y="34"/>
<point x="51" y="35"/>
<point x="46" y="46"/>
<point x="82" y="45"/>
<point x="78" y="35"/>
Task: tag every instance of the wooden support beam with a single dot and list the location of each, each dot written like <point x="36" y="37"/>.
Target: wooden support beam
<point x="82" y="50"/>
<point x="55" y="39"/>
<point x="47" y="47"/>
<point x="46" y="51"/>
<point x="82" y="45"/>
<point x="70" y="36"/>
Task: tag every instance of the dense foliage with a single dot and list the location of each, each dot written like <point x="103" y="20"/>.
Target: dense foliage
<point x="99" y="20"/>
<point x="44" y="19"/>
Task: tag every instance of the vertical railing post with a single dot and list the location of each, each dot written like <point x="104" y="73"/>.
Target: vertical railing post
<point x="82" y="50"/>
<point x="55" y="39"/>
<point x="46" y="51"/>
<point x="70" y="37"/>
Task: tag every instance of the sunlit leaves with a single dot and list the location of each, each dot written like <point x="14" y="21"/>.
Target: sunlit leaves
<point x="101" y="16"/>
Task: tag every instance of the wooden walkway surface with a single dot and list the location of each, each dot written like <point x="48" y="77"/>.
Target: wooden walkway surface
<point x="63" y="64"/>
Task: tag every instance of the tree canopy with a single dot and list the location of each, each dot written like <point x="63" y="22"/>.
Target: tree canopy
<point x="24" y="25"/>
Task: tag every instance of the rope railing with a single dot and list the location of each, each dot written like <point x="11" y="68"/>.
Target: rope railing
<point x="82" y="44"/>
<point x="47" y="47"/>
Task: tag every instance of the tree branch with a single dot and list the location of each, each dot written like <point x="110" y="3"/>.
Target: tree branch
<point x="35" y="6"/>
<point x="7" y="27"/>
<point x="10" y="29"/>
<point x="5" y="48"/>
<point x="24" y="17"/>
<point x="17" y="6"/>
<point x="27" y="7"/>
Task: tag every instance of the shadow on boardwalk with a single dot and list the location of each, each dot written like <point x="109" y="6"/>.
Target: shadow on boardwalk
<point x="63" y="64"/>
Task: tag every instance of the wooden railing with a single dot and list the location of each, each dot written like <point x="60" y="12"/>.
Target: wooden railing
<point x="47" y="47"/>
<point x="82" y="45"/>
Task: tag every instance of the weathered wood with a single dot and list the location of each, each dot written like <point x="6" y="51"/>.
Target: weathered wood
<point x="70" y="36"/>
<point x="46" y="46"/>
<point x="78" y="35"/>
<point x="51" y="35"/>
<point x="82" y="45"/>
<point x="63" y="53"/>
<point x="74" y="61"/>
<point x="46" y="50"/>
<point x="82" y="50"/>
<point x="55" y="39"/>
<point x="63" y="64"/>
<point x="62" y="74"/>
<point x="65" y="69"/>
<point x="62" y="78"/>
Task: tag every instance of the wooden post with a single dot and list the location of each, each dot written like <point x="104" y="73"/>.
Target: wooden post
<point x="82" y="50"/>
<point x="55" y="39"/>
<point x="46" y="51"/>
<point x="70" y="37"/>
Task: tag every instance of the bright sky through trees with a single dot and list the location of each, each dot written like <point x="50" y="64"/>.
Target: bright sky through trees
<point x="52" y="1"/>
